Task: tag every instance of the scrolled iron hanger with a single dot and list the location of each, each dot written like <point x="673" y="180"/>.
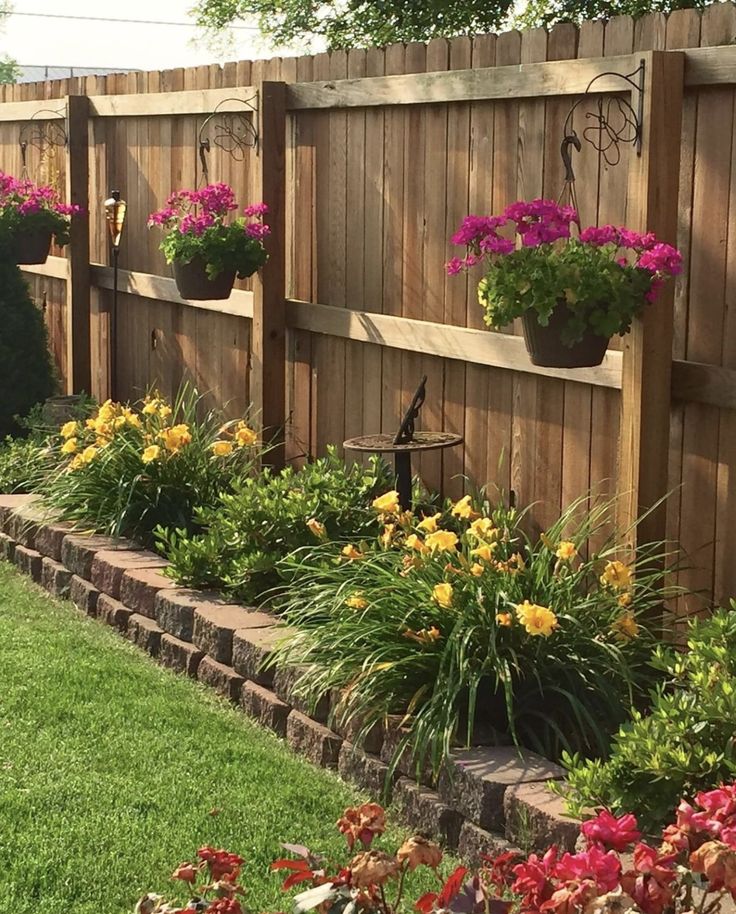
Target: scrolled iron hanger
<point x="232" y="131"/>
<point x="42" y="133"/>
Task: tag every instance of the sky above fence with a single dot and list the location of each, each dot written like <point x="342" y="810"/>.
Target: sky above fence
<point x="82" y="34"/>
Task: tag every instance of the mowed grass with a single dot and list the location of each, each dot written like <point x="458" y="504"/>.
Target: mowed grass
<point x="112" y="771"/>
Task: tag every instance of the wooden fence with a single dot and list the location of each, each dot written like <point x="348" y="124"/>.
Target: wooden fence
<point x="369" y="159"/>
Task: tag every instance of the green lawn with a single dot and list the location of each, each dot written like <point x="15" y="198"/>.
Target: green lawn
<point x="110" y="769"/>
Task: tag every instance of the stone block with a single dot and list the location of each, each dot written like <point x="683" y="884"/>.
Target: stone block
<point x="7" y="547"/>
<point x="475" y="843"/>
<point x="535" y="818"/>
<point x="175" y="609"/>
<point x="365" y="770"/>
<point x="145" y="634"/>
<point x="253" y="647"/>
<point x="179" y="655"/>
<point x="113" y="613"/>
<point x="426" y="813"/>
<point x="262" y="705"/>
<point x="83" y="594"/>
<point x="312" y="740"/>
<point x="50" y="538"/>
<point x="29" y="561"/>
<point x="109" y="566"/>
<point x="353" y="728"/>
<point x="23" y="522"/>
<point x="10" y="503"/>
<point x="405" y="763"/>
<point x="138" y="589"/>
<point x="285" y="684"/>
<point x="55" y="577"/>
<point x="223" y="679"/>
<point x="477" y="779"/>
<point x="214" y="627"/>
<point x="78" y="551"/>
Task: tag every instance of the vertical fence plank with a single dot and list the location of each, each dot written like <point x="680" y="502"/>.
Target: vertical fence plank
<point x="78" y="283"/>
<point x="647" y="367"/>
<point x="268" y="377"/>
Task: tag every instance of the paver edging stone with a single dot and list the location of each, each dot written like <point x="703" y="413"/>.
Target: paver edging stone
<point x="449" y="812"/>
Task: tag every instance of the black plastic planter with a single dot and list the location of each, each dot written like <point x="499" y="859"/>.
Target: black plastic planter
<point x="194" y="284"/>
<point x="545" y="346"/>
<point x="32" y="247"/>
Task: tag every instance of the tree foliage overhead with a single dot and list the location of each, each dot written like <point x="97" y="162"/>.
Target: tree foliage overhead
<point x="365" y="23"/>
<point x="358" y="23"/>
<point x="548" y="12"/>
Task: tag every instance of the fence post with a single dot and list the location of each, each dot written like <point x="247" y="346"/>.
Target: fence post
<point x="647" y="359"/>
<point x="79" y="374"/>
<point x="268" y="340"/>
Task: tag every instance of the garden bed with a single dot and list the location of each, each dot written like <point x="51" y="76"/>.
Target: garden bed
<point x="487" y="797"/>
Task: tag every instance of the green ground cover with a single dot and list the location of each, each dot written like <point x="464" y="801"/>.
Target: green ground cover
<point x="111" y="768"/>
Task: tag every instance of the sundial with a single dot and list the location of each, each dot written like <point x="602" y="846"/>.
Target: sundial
<point x="404" y="443"/>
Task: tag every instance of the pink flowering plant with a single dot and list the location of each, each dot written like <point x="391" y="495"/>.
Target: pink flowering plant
<point x="536" y="256"/>
<point x="199" y="223"/>
<point x="691" y="867"/>
<point x="29" y="207"/>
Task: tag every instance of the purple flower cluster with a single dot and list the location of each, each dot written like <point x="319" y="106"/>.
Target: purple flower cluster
<point x="29" y="198"/>
<point x="540" y="221"/>
<point x="652" y="255"/>
<point x="194" y="211"/>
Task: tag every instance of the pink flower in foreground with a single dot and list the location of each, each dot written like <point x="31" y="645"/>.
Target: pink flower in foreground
<point x="611" y="832"/>
<point x="604" y="868"/>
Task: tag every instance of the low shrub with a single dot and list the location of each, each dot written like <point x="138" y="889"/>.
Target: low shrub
<point x="683" y="744"/>
<point x="27" y="376"/>
<point x="127" y="470"/>
<point x="265" y="517"/>
<point x="457" y="618"/>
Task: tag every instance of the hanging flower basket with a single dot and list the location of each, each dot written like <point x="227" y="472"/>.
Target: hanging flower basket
<point x="194" y="284"/>
<point x="32" y="245"/>
<point x="206" y="250"/>
<point x="572" y="293"/>
<point x="545" y="347"/>
<point x="30" y="215"/>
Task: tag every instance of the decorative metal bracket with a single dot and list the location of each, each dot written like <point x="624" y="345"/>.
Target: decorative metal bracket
<point x="233" y="131"/>
<point x="405" y="433"/>
<point x="616" y="121"/>
<point x="41" y="134"/>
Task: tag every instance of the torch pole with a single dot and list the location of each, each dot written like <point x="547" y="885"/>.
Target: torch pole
<point x="114" y="323"/>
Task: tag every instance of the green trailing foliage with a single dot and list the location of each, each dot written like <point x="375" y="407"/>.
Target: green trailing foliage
<point x="459" y="620"/>
<point x="266" y="516"/>
<point x="683" y="744"/>
<point x="27" y="376"/>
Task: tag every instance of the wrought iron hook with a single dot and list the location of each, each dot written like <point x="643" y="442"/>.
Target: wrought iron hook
<point x="572" y="139"/>
<point x="234" y="133"/>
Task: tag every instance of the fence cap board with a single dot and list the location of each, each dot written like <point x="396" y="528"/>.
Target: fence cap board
<point x="187" y="101"/>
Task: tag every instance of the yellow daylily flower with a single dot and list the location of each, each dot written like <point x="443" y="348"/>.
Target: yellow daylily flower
<point x="69" y="429"/>
<point x="150" y="408"/>
<point x="476" y="569"/>
<point x="626" y="628"/>
<point x="388" y="503"/>
<point x="484" y="551"/>
<point x="424" y="636"/>
<point x="625" y="599"/>
<point x="244" y="435"/>
<point x="442" y="541"/>
<point x="387" y="535"/>
<point x="505" y="619"/>
<point x="176" y="437"/>
<point x="415" y="542"/>
<point x="151" y="453"/>
<point x="482" y="528"/>
<point x="537" y="620"/>
<point x="616" y="575"/>
<point x="442" y="594"/>
<point x="164" y="411"/>
<point x="107" y="411"/>
<point x="463" y="508"/>
<point x="89" y="454"/>
<point x="69" y="446"/>
<point x="222" y="448"/>
<point x="352" y="552"/>
<point x="132" y="418"/>
<point x="356" y="601"/>
<point x="317" y="528"/>
<point x="429" y="524"/>
<point x="566" y="551"/>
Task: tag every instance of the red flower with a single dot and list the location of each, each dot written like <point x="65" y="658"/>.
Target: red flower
<point x="614" y="834"/>
<point x="187" y="872"/>
<point x="221" y="863"/>
<point x="499" y="870"/>
<point x="649" y="882"/>
<point x="603" y="868"/>
<point x="224" y="906"/>
<point x="362" y="823"/>
<point x="533" y="878"/>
